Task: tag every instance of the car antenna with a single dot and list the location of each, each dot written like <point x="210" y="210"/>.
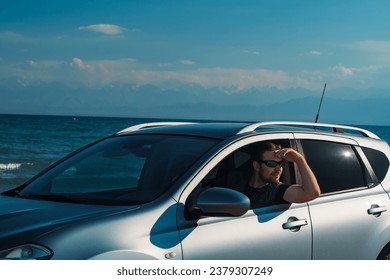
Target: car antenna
<point x="319" y="107"/>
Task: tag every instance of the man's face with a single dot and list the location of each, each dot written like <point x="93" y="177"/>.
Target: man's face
<point x="270" y="174"/>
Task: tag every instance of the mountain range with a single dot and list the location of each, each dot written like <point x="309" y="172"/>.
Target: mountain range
<point x="341" y="105"/>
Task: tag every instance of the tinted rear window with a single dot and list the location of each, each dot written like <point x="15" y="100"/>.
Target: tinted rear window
<point x="378" y="161"/>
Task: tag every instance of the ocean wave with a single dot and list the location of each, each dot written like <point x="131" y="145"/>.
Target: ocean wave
<point x="11" y="166"/>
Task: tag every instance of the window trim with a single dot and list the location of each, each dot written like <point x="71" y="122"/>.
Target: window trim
<point x="369" y="168"/>
<point x="355" y="189"/>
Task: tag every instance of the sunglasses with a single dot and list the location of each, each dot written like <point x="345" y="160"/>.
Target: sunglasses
<point x="271" y="163"/>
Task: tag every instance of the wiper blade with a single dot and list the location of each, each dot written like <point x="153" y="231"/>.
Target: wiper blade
<point x="14" y="192"/>
<point x="79" y="198"/>
<point x="50" y="197"/>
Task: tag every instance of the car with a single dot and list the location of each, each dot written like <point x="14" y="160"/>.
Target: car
<point x="158" y="191"/>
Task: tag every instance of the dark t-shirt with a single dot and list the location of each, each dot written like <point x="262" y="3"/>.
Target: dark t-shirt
<point x="267" y="195"/>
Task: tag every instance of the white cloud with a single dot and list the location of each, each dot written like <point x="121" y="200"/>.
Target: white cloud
<point x="10" y="36"/>
<point x="350" y="71"/>
<point x="186" y="62"/>
<point x="252" y="52"/>
<point x="315" y="52"/>
<point x="107" y="29"/>
<point x="372" y="51"/>
<point x="119" y="71"/>
<point x="96" y="73"/>
<point x="31" y="63"/>
<point x="78" y="63"/>
<point x="238" y="78"/>
<point x="104" y="72"/>
<point x="344" y="71"/>
<point x="373" y="46"/>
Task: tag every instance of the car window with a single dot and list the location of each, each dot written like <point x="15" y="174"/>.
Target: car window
<point x="235" y="170"/>
<point x="123" y="170"/>
<point x="378" y="161"/>
<point x="336" y="165"/>
<point x="101" y="172"/>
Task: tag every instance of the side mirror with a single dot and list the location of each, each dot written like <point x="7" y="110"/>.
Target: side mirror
<point x="222" y="202"/>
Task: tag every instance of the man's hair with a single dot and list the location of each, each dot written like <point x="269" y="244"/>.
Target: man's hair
<point x="260" y="148"/>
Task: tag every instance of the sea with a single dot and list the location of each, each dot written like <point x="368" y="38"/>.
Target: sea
<point x="30" y="143"/>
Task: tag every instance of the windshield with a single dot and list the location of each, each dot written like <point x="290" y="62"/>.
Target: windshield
<point x="120" y="170"/>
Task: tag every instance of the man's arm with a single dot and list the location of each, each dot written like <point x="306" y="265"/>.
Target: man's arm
<point x="309" y="189"/>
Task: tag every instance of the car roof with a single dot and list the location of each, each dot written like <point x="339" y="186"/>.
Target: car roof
<point x="222" y="130"/>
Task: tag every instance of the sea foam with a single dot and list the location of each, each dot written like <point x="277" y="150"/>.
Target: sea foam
<point x="9" y="166"/>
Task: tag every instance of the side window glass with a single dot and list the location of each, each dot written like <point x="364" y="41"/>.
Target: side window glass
<point x="233" y="169"/>
<point x="378" y="161"/>
<point x="335" y="165"/>
<point x="236" y="169"/>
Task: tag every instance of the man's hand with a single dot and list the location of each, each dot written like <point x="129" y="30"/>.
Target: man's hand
<point x="289" y="154"/>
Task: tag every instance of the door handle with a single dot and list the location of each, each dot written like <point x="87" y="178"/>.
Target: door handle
<point x="294" y="224"/>
<point x="376" y="210"/>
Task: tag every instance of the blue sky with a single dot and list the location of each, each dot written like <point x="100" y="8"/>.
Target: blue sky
<point x="231" y="45"/>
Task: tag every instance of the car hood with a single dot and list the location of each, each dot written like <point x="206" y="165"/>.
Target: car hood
<point x="20" y="217"/>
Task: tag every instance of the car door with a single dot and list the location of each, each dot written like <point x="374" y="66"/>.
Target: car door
<point x="260" y="234"/>
<point x="273" y="232"/>
<point x="350" y="220"/>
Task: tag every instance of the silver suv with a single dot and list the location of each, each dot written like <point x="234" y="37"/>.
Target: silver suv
<point x="162" y="191"/>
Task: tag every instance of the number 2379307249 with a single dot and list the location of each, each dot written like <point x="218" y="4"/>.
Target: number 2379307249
<point x="240" y="270"/>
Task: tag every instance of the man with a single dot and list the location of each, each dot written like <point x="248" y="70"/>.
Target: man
<point x="264" y="186"/>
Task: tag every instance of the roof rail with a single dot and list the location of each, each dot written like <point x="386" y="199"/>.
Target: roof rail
<point x="336" y="128"/>
<point x="150" y="125"/>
